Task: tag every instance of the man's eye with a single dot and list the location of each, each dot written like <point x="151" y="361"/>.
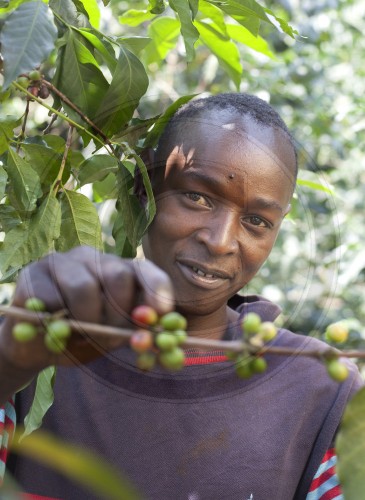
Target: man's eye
<point x="197" y="198"/>
<point x="257" y="221"/>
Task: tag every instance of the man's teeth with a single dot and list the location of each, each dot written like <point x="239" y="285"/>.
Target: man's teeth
<point x="200" y="273"/>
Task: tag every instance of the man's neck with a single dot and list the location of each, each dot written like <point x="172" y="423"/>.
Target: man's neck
<point x="212" y="326"/>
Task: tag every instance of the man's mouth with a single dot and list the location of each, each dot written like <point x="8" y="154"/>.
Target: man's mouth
<point x="201" y="274"/>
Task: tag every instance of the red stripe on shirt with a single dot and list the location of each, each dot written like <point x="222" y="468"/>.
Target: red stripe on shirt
<point x="327" y="474"/>
<point x="205" y="359"/>
<point x="332" y="493"/>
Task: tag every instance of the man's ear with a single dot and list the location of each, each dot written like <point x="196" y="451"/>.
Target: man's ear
<point x="148" y="157"/>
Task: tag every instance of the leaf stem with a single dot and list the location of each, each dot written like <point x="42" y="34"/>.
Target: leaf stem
<point x="235" y="346"/>
<point x="24" y="124"/>
<point x="64" y="159"/>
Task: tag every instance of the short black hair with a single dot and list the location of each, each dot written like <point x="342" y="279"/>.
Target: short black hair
<point x="240" y="103"/>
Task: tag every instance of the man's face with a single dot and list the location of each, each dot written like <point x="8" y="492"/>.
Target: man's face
<point x="225" y="191"/>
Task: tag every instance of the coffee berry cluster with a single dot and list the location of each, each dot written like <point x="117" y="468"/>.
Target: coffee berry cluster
<point x="57" y="330"/>
<point x="158" y="339"/>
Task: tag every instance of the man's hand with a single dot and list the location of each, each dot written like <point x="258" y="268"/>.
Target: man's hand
<point x="92" y="287"/>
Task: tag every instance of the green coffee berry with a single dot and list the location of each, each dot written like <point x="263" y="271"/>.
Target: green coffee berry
<point x="172" y="360"/>
<point x="54" y="344"/>
<point x="337" y="332"/>
<point x="267" y="331"/>
<point x="24" y="332"/>
<point x="243" y="369"/>
<point x="180" y="335"/>
<point x="166" y="341"/>
<point x="23" y="81"/>
<point x="173" y="321"/>
<point x="146" y="361"/>
<point x="35" y="75"/>
<point x="258" y="365"/>
<point x="337" y="370"/>
<point x="58" y="329"/>
<point x="251" y="323"/>
<point x="35" y="304"/>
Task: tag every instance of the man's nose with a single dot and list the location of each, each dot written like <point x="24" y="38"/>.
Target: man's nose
<point x="220" y="233"/>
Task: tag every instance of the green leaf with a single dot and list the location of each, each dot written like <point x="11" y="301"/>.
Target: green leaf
<point x="194" y="7"/>
<point x="24" y="185"/>
<point x="89" y="470"/>
<point x="225" y="50"/>
<point x="242" y="35"/>
<point x="105" y="189"/>
<point x="3" y="181"/>
<point x="315" y="185"/>
<point x="7" y="126"/>
<point x="104" y="48"/>
<point x="131" y="221"/>
<point x="216" y="15"/>
<point x="45" y="161"/>
<point x="27" y="38"/>
<point x="164" y="32"/>
<point x="96" y="168"/>
<point x="157" y="6"/>
<point x="129" y="83"/>
<point x="134" y="43"/>
<point x="92" y="10"/>
<point x="284" y="26"/>
<point x="68" y="12"/>
<point x="80" y="224"/>
<point x="79" y="77"/>
<point x="33" y="239"/>
<point x="245" y="8"/>
<point x="135" y="17"/>
<point x="9" y="217"/>
<point x="188" y="30"/>
<point x="42" y="401"/>
<point x="160" y="124"/>
<point x="350" y="448"/>
<point x="150" y="209"/>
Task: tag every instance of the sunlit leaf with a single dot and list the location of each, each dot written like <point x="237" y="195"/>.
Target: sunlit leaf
<point x="164" y="32"/>
<point x="82" y="466"/>
<point x="33" y="239"/>
<point x="157" y="6"/>
<point x="135" y="17"/>
<point x="215" y="14"/>
<point x="42" y="401"/>
<point x="315" y="185"/>
<point x="242" y="35"/>
<point x="350" y="448"/>
<point x="27" y="38"/>
<point x="225" y="50"/>
<point x="93" y="12"/>
<point x="80" y="224"/>
<point x="188" y="30"/>
<point x="103" y="47"/>
<point x="129" y="83"/>
<point x="25" y="187"/>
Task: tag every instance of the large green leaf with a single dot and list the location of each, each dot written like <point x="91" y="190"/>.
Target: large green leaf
<point x="80" y="223"/>
<point x="215" y="14"/>
<point x="9" y="217"/>
<point x="80" y="465"/>
<point x="79" y="77"/>
<point x="350" y="448"/>
<point x="244" y="36"/>
<point x="96" y="168"/>
<point x="24" y="185"/>
<point x="134" y="17"/>
<point x="129" y="83"/>
<point x="188" y="30"/>
<point x="7" y="125"/>
<point x="42" y="401"/>
<point x="27" y="38"/>
<point x="225" y="50"/>
<point x="45" y="161"/>
<point x="33" y="239"/>
<point x="164" y="32"/>
<point x="3" y="181"/>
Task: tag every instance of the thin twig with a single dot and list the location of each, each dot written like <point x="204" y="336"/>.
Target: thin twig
<point x="64" y="159"/>
<point x="24" y="124"/>
<point x="235" y="346"/>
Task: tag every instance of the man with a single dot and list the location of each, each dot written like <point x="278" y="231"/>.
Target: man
<point x="223" y="176"/>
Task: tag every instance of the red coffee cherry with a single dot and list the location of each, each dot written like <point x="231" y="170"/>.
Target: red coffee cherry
<point x="141" y="341"/>
<point x="144" y="315"/>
